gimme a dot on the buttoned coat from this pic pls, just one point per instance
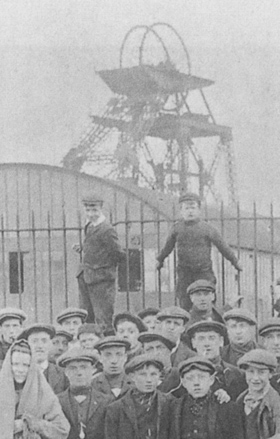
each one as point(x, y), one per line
point(223, 420)
point(96, 414)
point(121, 421)
point(101, 383)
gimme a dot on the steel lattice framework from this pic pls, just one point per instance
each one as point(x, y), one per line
point(156, 132)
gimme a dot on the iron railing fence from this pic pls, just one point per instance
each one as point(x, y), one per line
point(37, 264)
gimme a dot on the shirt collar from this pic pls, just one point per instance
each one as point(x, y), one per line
point(44, 365)
point(100, 220)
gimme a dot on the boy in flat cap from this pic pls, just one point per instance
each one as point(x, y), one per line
point(198, 414)
point(241, 327)
point(128, 327)
point(156, 343)
point(60, 343)
point(97, 273)
point(270, 333)
point(149, 317)
point(143, 412)
point(260, 404)
point(11, 320)
point(202, 295)
point(83, 406)
point(88, 335)
point(71, 319)
point(207, 339)
point(173, 322)
point(39, 337)
point(194, 239)
point(112, 381)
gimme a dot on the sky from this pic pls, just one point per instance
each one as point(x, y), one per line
point(50, 52)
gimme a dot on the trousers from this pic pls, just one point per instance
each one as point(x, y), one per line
point(186, 277)
point(98, 300)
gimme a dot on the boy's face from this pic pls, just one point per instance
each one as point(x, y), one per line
point(87, 340)
point(173, 327)
point(151, 322)
point(207, 344)
point(202, 300)
point(40, 345)
point(93, 213)
point(113, 360)
point(60, 345)
point(271, 342)
point(72, 325)
point(240, 332)
point(257, 379)
point(10, 329)
point(197, 382)
point(190, 210)
point(128, 331)
point(79, 373)
point(146, 379)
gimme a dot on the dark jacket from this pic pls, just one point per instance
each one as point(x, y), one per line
point(121, 421)
point(231, 379)
point(222, 420)
point(170, 381)
point(96, 414)
point(268, 413)
point(183, 352)
point(56, 378)
point(194, 240)
point(231, 355)
point(101, 384)
point(101, 254)
point(4, 347)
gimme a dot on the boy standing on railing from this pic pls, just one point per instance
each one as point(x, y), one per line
point(194, 239)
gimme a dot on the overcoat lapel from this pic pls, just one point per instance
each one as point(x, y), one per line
point(130, 412)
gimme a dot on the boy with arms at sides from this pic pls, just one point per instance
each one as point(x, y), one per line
point(194, 239)
point(260, 404)
point(143, 412)
point(198, 414)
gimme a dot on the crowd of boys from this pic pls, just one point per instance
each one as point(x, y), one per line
point(182, 372)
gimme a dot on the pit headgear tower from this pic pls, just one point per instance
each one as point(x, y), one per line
point(157, 144)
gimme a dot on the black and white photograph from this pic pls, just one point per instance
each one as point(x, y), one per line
point(139, 219)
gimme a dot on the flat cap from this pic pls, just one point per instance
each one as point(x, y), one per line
point(12, 313)
point(72, 312)
point(145, 337)
point(196, 362)
point(207, 325)
point(173, 312)
point(189, 196)
point(142, 360)
point(148, 312)
point(258, 358)
point(240, 314)
point(90, 328)
point(112, 341)
point(60, 331)
point(77, 354)
point(273, 324)
point(201, 285)
point(131, 318)
point(36, 327)
point(92, 199)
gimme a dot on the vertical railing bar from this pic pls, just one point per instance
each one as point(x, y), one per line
point(127, 225)
point(51, 194)
point(29, 197)
point(223, 259)
point(158, 250)
point(3, 261)
point(142, 255)
point(34, 266)
point(238, 245)
point(256, 263)
point(174, 256)
point(20, 262)
point(40, 199)
point(272, 265)
point(50, 268)
point(65, 258)
point(6, 199)
point(80, 233)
